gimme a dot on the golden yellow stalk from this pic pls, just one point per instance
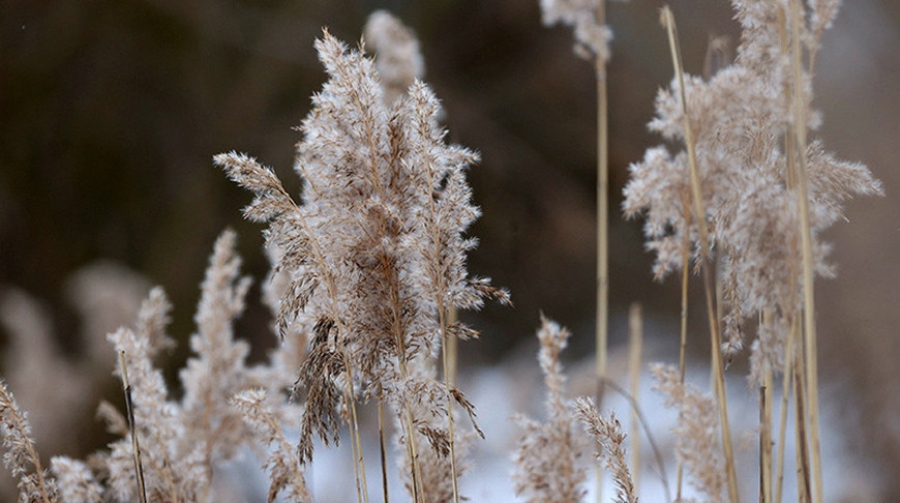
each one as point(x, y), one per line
point(399, 340)
point(809, 311)
point(452, 347)
point(635, 350)
point(765, 438)
point(602, 212)
point(602, 328)
point(448, 376)
point(804, 489)
point(764, 445)
point(794, 333)
point(682, 347)
point(668, 21)
point(359, 466)
point(448, 354)
point(786, 387)
point(765, 422)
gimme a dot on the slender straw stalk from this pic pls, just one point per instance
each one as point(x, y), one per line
point(804, 486)
point(765, 425)
point(682, 346)
point(359, 465)
point(447, 385)
point(786, 387)
point(668, 21)
point(383, 448)
point(794, 336)
point(602, 329)
point(449, 369)
point(809, 311)
point(635, 351)
point(452, 347)
point(602, 212)
point(765, 439)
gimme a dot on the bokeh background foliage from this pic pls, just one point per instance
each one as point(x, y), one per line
point(110, 112)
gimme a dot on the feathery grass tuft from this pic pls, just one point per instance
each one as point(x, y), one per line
point(547, 457)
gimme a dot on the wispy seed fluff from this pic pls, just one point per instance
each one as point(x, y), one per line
point(699, 446)
point(741, 119)
point(20, 455)
point(377, 249)
point(397, 58)
point(592, 37)
point(548, 459)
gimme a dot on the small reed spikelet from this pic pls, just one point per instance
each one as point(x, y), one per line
point(609, 440)
point(591, 34)
point(20, 456)
point(398, 60)
point(547, 461)
point(155, 416)
point(699, 442)
point(76, 481)
point(283, 463)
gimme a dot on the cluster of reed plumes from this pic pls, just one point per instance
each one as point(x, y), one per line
point(369, 270)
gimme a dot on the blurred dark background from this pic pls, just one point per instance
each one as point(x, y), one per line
point(111, 110)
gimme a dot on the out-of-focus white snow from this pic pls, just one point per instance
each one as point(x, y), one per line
point(500, 392)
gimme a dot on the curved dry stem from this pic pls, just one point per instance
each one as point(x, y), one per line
point(657, 454)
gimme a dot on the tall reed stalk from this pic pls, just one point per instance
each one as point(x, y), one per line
point(718, 369)
point(800, 104)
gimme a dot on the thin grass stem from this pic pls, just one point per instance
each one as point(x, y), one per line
point(400, 342)
point(383, 448)
point(635, 350)
point(602, 329)
point(765, 419)
point(602, 214)
point(668, 21)
point(809, 311)
point(448, 354)
point(786, 387)
point(802, 452)
point(765, 439)
point(452, 347)
point(682, 346)
point(448, 376)
point(359, 466)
